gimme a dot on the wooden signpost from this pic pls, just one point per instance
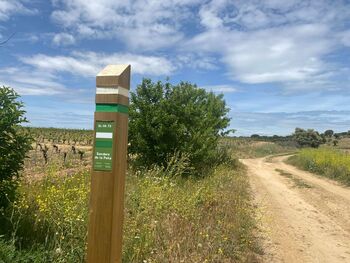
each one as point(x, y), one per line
point(109, 165)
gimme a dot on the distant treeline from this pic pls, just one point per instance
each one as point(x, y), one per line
point(301, 138)
point(274, 138)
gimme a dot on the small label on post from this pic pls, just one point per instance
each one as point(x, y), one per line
point(104, 140)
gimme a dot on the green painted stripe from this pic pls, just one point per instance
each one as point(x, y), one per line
point(112, 108)
point(104, 144)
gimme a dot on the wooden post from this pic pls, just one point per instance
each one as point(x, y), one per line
point(109, 165)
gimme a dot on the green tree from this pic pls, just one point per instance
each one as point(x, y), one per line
point(308, 138)
point(329, 133)
point(15, 142)
point(166, 119)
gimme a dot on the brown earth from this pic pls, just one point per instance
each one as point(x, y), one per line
point(303, 217)
point(35, 167)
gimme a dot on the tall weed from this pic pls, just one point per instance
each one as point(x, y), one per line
point(328, 162)
point(168, 217)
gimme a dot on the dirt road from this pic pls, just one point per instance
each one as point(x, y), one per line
point(304, 218)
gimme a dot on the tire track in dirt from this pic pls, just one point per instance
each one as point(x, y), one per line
point(300, 224)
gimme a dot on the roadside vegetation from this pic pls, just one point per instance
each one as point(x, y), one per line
point(167, 218)
point(326, 154)
point(254, 148)
point(189, 207)
point(325, 161)
point(187, 196)
point(15, 142)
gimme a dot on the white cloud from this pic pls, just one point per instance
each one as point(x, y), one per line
point(268, 41)
point(279, 55)
point(146, 24)
point(88, 64)
point(275, 41)
point(208, 14)
point(60, 64)
point(27, 81)
point(220, 88)
point(43, 74)
point(345, 38)
point(11, 7)
point(255, 14)
point(292, 53)
point(63, 39)
point(199, 62)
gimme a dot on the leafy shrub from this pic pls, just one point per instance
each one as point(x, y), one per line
point(15, 142)
point(308, 138)
point(9, 253)
point(165, 119)
point(329, 133)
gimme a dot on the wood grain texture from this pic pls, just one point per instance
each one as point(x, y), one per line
point(119, 182)
point(113, 90)
point(106, 211)
point(106, 208)
point(113, 99)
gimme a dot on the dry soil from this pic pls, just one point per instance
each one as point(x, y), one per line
point(304, 217)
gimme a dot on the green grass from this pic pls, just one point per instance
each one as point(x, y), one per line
point(10, 253)
point(327, 162)
point(167, 218)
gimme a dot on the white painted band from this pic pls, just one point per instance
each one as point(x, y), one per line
point(104, 135)
point(117, 90)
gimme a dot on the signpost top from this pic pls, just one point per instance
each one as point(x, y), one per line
point(114, 76)
point(113, 70)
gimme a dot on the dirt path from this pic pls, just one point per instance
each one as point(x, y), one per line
point(304, 218)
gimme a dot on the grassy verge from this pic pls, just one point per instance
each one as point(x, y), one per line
point(167, 218)
point(247, 148)
point(327, 162)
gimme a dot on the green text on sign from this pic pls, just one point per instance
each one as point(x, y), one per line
point(104, 140)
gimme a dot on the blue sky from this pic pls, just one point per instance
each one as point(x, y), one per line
point(280, 64)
